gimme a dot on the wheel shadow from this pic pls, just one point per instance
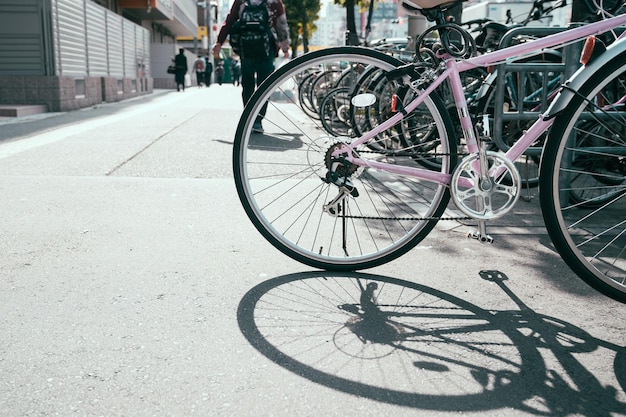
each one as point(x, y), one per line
point(403, 343)
point(275, 141)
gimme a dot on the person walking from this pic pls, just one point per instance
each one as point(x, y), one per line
point(254, 68)
point(219, 72)
point(208, 71)
point(236, 72)
point(180, 62)
point(198, 65)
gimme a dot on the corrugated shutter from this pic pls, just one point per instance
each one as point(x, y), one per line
point(141, 51)
point(130, 61)
point(72, 37)
point(96, 40)
point(115, 45)
point(146, 53)
point(21, 37)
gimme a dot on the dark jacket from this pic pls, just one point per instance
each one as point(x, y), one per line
point(278, 22)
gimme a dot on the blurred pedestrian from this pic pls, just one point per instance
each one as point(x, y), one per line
point(208, 71)
point(236, 71)
point(180, 61)
point(198, 65)
point(219, 72)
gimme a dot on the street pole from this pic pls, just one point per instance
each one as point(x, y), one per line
point(417, 25)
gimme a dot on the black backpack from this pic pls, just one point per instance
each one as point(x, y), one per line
point(251, 35)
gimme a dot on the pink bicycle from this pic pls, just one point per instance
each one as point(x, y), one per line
point(363, 199)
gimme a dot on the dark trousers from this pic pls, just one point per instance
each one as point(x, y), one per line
point(200, 77)
point(180, 79)
point(253, 72)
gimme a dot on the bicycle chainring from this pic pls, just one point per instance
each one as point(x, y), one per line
point(485, 198)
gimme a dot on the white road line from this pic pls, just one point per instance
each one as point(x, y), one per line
point(12, 148)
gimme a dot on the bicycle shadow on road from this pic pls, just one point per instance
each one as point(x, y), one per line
point(403, 343)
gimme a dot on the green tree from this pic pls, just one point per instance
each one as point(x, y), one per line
point(301, 16)
point(350, 16)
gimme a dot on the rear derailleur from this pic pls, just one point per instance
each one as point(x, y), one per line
point(339, 172)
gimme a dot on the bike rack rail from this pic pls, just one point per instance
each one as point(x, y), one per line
point(527, 108)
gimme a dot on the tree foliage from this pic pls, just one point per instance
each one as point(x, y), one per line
point(301, 16)
point(350, 16)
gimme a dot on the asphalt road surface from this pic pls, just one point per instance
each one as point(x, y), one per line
point(133, 284)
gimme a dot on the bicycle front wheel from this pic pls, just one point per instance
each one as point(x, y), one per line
point(583, 183)
point(345, 218)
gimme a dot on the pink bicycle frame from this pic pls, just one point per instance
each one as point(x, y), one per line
point(453, 69)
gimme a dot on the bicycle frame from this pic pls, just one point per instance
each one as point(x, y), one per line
point(453, 68)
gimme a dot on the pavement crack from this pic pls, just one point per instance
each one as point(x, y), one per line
point(142, 150)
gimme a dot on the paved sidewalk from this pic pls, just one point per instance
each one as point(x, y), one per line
point(133, 284)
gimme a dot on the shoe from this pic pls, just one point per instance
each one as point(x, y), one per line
point(257, 127)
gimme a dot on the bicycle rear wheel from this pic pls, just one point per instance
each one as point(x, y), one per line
point(583, 183)
point(285, 185)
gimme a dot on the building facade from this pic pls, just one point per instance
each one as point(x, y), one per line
point(71, 54)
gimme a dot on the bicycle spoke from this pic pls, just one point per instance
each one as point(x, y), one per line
point(317, 207)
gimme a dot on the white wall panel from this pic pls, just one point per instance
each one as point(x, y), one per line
point(115, 45)
point(96, 40)
point(72, 37)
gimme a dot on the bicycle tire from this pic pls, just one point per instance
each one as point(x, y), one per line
point(405, 138)
point(304, 94)
point(281, 181)
point(323, 83)
point(584, 215)
point(335, 112)
point(373, 81)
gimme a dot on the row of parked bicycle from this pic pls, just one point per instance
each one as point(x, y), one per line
point(504, 100)
point(359, 166)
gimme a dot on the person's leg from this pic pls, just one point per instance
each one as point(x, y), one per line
point(247, 79)
point(264, 69)
point(179, 80)
point(248, 85)
point(249, 69)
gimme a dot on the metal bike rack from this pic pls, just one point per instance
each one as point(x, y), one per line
point(553, 74)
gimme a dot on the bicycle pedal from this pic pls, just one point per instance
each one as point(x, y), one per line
point(475, 234)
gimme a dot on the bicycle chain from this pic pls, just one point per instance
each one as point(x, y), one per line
point(426, 155)
point(406, 218)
